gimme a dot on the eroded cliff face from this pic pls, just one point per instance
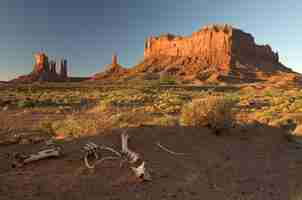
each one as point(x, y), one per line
point(44, 70)
point(219, 46)
point(41, 61)
point(212, 44)
point(219, 51)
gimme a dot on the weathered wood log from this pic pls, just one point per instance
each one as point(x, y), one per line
point(47, 153)
point(137, 165)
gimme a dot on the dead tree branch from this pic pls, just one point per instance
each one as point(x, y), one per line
point(169, 151)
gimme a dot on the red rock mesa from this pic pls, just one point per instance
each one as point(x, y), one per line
point(215, 52)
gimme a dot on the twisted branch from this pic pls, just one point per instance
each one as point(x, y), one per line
point(169, 151)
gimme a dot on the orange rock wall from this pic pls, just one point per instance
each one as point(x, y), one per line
point(40, 59)
point(218, 45)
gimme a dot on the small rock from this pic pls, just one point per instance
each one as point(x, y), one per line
point(5, 108)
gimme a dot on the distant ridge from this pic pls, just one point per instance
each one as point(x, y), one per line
point(215, 53)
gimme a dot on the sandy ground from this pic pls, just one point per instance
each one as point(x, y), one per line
point(248, 163)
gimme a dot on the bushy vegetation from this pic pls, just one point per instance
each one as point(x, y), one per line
point(165, 121)
point(216, 112)
point(136, 104)
point(79, 125)
point(27, 103)
point(167, 80)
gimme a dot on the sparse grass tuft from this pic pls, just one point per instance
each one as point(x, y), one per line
point(27, 103)
point(104, 105)
point(166, 121)
point(167, 80)
point(46, 126)
point(77, 126)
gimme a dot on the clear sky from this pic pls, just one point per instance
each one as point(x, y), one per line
point(87, 32)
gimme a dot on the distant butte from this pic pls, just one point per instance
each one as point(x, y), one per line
point(45, 70)
point(215, 53)
point(112, 71)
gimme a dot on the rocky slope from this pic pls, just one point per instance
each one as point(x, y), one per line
point(112, 71)
point(215, 53)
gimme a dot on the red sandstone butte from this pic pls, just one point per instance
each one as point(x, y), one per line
point(112, 71)
point(40, 60)
point(218, 45)
point(213, 46)
point(213, 52)
point(45, 70)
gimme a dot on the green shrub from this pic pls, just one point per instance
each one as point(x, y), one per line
point(216, 112)
point(104, 105)
point(77, 126)
point(27, 103)
point(166, 121)
point(167, 80)
point(128, 119)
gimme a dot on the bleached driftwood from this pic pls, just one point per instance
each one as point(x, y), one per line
point(133, 158)
point(126, 155)
point(169, 151)
point(106, 158)
point(111, 150)
point(47, 153)
point(130, 155)
point(91, 149)
point(86, 160)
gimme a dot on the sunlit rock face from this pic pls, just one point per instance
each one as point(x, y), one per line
point(112, 71)
point(45, 70)
point(212, 44)
point(218, 45)
point(214, 51)
point(41, 62)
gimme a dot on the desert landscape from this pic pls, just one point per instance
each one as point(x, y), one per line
point(212, 115)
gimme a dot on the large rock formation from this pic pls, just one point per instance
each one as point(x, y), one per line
point(112, 71)
point(213, 46)
point(63, 69)
point(45, 70)
point(41, 63)
point(214, 53)
point(218, 46)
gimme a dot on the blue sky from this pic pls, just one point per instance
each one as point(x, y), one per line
point(87, 32)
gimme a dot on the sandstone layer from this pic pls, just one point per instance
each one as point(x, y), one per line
point(45, 70)
point(214, 53)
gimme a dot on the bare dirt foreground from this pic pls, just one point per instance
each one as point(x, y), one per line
point(251, 163)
